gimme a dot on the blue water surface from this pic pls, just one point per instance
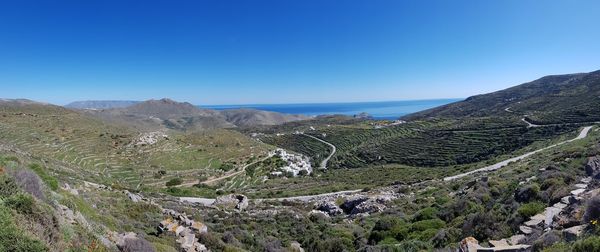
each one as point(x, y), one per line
point(378, 110)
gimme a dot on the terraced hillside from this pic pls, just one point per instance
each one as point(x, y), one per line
point(440, 142)
point(569, 98)
point(118, 155)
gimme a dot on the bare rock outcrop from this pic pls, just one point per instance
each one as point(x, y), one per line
point(572, 233)
point(592, 167)
point(185, 229)
point(329, 208)
point(351, 202)
point(232, 201)
point(368, 207)
point(471, 244)
point(133, 197)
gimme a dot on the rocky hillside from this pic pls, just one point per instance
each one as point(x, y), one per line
point(550, 99)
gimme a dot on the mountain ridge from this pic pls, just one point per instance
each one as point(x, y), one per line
point(169, 114)
point(549, 99)
point(100, 104)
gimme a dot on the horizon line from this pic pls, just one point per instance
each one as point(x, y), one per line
point(252, 104)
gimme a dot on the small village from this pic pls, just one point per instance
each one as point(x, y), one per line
point(296, 164)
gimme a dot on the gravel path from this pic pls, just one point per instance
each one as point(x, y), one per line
point(499, 165)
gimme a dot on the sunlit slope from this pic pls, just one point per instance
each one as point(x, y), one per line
point(113, 154)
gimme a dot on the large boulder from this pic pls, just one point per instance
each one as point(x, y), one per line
point(189, 243)
point(569, 217)
point(353, 201)
point(368, 207)
point(133, 197)
point(296, 247)
point(199, 227)
point(232, 201)
point(120, 239)
point(318, 214)
point(592, 167)
point(328, 207)
point(572, 233)
point(469, 244)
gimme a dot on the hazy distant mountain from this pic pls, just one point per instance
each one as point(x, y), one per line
point(167, 108)
point(166, 113)
point(252, 117)
point(550, 99)
point(100, 104)
point(20, 102)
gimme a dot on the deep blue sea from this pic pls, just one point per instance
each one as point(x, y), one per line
point(378, 110)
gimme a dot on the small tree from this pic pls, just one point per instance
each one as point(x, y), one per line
point(174, 182)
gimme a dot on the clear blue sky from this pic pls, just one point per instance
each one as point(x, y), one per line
point(235, 52)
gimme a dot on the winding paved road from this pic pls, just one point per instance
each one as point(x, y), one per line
point(530, 125)
point(333, 149)
point(499, 165)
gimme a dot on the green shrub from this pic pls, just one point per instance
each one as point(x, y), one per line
point(50, 181)
point(531, 209)
point(527, 193)
point(389, 227)
point(444, 237)
point(424, 235)
point(22, 203)
point(8, 186)
point(226, 166)
point(426, 214)
point(428, 224)
point(174, 182)
point(13, 239)
point(407, 246)
point(388, 240)
point(558, 247)
point(589, 244)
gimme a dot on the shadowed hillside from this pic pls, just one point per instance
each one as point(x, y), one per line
point(551, 99)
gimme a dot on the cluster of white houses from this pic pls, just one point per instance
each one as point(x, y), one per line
point(295, 163)
point(150, 138)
